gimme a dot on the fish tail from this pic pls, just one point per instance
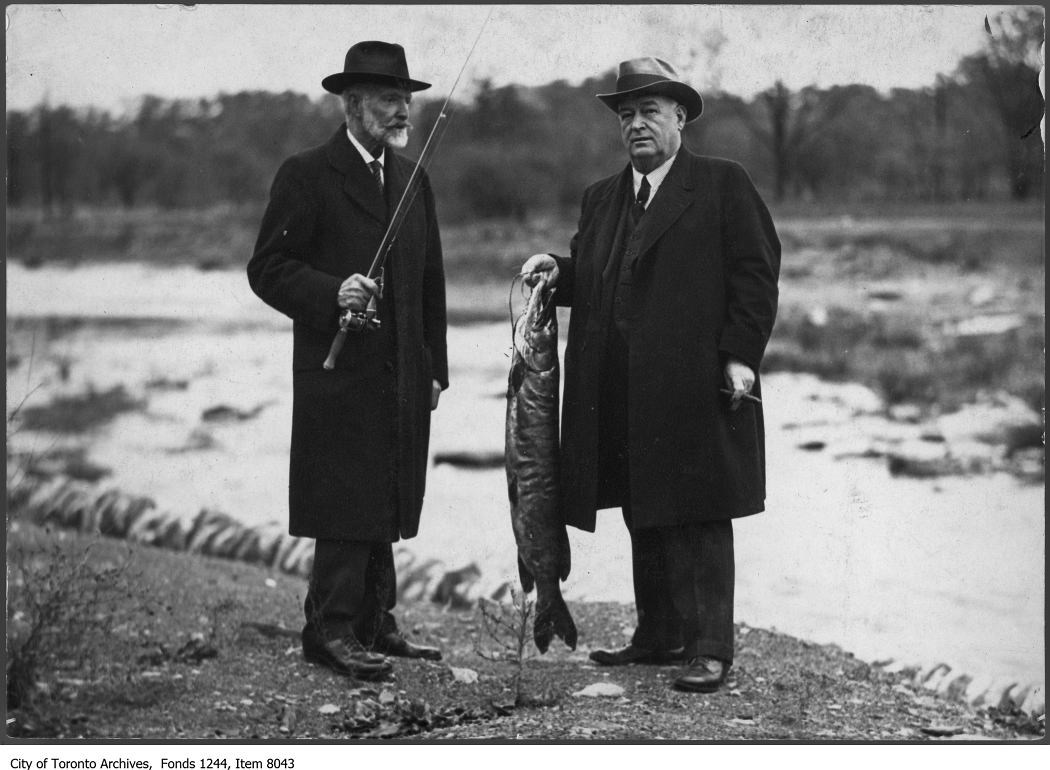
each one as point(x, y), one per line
point(553, 619)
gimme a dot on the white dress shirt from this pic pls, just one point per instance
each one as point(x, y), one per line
point(367, 156)
point(655, 177)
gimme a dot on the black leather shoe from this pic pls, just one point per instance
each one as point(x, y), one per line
point(703, 675)
point(631, 654)
point(345, 657)
point(397, 645)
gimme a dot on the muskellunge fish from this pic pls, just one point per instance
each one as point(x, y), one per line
point(532, 467)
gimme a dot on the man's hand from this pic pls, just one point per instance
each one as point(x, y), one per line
point(435, 394)
point(355, 292)
point(740, 378)
point(540, 265)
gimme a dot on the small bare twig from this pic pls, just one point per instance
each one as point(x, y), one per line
point(508, 626)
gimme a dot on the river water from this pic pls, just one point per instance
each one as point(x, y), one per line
point(922, 571)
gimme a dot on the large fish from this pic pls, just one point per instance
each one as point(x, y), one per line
point(532, 467)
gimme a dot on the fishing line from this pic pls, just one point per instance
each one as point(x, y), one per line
point(426, 155)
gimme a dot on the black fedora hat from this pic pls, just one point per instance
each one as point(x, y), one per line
point(373, 61)
point(649, 75)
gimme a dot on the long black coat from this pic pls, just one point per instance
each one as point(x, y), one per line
point(360, 432)
point(706, 261)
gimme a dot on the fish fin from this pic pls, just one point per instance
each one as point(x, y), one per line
point(554, 619)
point(528, 582)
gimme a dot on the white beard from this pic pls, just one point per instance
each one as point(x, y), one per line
point(396, 138)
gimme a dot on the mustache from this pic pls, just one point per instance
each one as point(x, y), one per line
point(397, 126)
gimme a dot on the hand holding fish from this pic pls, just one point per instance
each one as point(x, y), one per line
point(537, 265)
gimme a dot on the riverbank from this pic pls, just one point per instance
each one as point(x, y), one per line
point(196, 648)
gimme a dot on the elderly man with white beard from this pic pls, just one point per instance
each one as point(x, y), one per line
point(360, 430)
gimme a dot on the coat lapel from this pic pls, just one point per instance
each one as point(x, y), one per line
point(672, 199)
point(396, 178)
point(358, 182)
point(608, 207)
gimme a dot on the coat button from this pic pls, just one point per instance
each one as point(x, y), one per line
point(389, 365)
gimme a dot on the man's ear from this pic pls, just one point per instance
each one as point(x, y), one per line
point(351, 103)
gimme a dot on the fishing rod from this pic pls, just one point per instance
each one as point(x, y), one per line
point(357, 320)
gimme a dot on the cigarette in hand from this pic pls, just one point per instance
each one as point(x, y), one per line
point(746, 396)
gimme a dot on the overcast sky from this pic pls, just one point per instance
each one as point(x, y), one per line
point(108, 55)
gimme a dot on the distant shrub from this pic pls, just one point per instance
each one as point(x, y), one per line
point(908, 360)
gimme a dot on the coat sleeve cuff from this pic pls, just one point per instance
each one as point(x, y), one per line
point(743, 345)
point(563, 291)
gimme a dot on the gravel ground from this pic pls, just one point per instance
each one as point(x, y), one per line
point(182, 647)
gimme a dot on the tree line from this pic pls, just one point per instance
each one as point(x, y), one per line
point(514, 151)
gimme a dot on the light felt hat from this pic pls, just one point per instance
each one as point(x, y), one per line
point(649, 75)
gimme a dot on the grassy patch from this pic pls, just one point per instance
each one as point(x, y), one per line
point(906, 359)
point(970, 251)
point(222, 235)
point(81, 412)
point(64, 604)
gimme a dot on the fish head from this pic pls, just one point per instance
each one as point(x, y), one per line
point(536, 334)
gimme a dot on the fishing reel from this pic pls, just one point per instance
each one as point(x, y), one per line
point(357, 320)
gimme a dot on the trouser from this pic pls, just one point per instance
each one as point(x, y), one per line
point(353, 588)
point(683, 587)
point(684, 575)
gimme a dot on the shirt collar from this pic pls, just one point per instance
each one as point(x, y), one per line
point(365, 154)
point(655, 177)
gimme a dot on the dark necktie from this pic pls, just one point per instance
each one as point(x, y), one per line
point(639, 203)
point(377, 172)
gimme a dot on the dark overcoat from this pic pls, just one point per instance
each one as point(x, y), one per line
point(705, 263)
point(360, 432)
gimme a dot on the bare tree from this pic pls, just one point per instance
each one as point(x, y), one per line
point(1007, 71)
point(792, 121)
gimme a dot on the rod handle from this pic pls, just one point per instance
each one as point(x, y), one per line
point(337, 345)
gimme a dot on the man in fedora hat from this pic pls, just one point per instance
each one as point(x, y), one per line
point(672, 282)
point(360, 431)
